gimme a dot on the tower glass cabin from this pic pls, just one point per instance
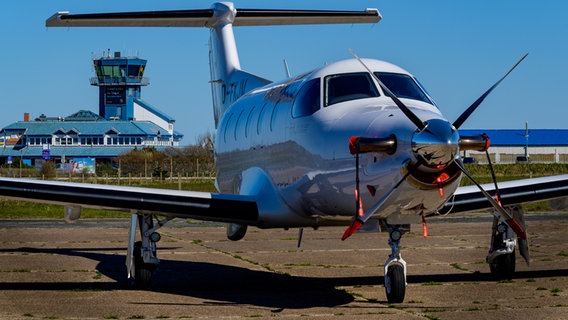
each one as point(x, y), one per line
point(119, 80)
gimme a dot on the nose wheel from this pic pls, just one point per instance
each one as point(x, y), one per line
point(395, 268)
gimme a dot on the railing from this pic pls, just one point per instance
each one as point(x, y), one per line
point(113, 81)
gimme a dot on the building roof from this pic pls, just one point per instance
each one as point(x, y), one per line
point(517, 137)
point(154, 110)
point(95, 128)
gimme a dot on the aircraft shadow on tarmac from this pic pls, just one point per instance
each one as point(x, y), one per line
point(225, 284)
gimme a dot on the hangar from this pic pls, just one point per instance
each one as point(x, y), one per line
point(523, 145)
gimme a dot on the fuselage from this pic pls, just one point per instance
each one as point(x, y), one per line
point(296, 132)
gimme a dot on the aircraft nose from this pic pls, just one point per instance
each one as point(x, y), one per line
point(437, 145)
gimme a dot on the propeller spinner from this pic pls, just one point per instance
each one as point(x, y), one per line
point(437, 145)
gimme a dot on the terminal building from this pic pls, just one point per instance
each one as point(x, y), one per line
point(124, 122)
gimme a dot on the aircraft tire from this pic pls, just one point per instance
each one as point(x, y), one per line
point(503, 267)
point(395, 284)
point(142, 271)
point(236, 232)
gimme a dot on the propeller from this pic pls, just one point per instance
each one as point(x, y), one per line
point(436, 145)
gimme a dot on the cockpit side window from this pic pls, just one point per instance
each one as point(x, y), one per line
point(349, 86)
point(308, 99)
point(403, 86)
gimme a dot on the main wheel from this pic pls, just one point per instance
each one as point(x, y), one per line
point(503, 266)
point(142, 271)
point(236, 232)
point(395, 284)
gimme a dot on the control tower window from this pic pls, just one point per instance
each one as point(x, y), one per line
point(99, 72)
point(308, 100)
point(403, 86)
point(349, 86)
point(113, 71)
point(135, 71)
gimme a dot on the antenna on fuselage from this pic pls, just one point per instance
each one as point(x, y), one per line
point(286, 69)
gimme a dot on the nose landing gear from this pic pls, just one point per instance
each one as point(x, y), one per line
point(395, 267)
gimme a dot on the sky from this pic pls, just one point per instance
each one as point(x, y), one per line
point(457, 49)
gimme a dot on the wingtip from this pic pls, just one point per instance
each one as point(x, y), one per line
point(55, 19)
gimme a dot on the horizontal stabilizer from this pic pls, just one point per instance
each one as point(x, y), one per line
point(205, 18)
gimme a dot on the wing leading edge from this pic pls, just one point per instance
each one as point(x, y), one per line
point(511, 192)
point(173, 203)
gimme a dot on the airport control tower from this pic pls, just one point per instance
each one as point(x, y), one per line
point(119, 80)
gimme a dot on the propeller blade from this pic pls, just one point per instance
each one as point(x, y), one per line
point(407, 112)
point(509, 219)
point(523, 244)
point(361, 219)
point(463, 117)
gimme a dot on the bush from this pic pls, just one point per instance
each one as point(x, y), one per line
point(47, 170)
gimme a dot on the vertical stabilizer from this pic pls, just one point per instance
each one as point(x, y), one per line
point(228, 82)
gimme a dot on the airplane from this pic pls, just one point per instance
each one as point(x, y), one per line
point(356, 143)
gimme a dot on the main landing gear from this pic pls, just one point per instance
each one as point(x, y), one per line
point(501, 257)
point(141, 260)
point(395, 267)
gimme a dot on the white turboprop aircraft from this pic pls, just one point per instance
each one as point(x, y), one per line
point(353, 141)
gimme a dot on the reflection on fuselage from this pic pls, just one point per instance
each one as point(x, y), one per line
point(297, 133)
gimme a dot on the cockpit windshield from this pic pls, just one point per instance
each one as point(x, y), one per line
point(349, 86)
point(403, 86)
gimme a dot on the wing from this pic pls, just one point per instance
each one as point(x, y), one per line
point(512, 192)
point(183, 204)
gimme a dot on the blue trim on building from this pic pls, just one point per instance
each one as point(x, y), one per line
point(517, 137)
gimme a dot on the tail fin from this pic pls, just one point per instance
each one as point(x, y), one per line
point(228, 81)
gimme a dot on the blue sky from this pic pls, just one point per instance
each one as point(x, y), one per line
point(457, 49)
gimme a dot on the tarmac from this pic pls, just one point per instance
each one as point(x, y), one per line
point(53, 270)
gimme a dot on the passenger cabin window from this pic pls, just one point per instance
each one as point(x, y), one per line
point(308, 100)
point(403, 86)
point(349, 86)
